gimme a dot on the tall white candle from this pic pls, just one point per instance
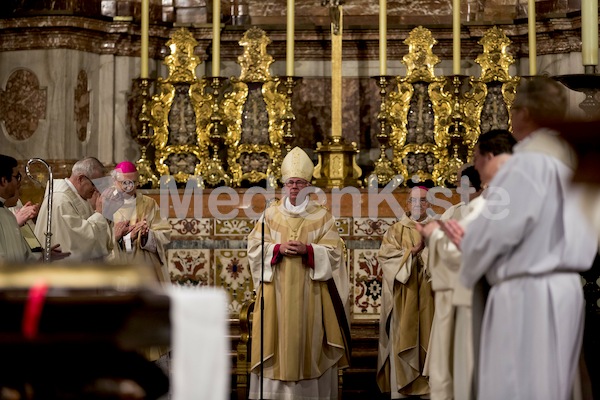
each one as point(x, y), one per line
point(532, 36)
point(456, 37)
point(289, 51)
point(589, 32)
point(144, 49)
point(216, 54)
point(382, 37)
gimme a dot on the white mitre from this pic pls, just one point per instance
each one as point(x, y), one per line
point(297, 164)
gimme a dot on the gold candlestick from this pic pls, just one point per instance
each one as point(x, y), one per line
point(288, 116)
point(213, 172)
point(383, 166)
point(144, 138)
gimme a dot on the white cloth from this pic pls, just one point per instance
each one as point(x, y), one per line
point(86, 234)
point(533, 323)
point(200, 355)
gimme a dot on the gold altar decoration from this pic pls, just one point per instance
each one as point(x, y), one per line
point(180, 113)
point(419, 110)
point(336, 166)
point(433, 122)
point(501, 87)
point(254, 113)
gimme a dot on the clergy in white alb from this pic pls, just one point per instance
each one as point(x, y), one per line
point(76, 226)
point(530, 246)
point(306, 292)
point(407, 304)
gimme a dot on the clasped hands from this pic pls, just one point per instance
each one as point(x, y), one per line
point(140, 228)
point(293, 248)
point(451, 228)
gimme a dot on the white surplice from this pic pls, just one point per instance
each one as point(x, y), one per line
point(86, 234)
point(533, 323)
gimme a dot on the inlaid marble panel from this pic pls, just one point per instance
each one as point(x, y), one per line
point(189, 267)
point(343, 226)
point(367, 284)
point(23, 104)
point(233, 227)
point(371, 227)
point(232, 273)
point(190, 227)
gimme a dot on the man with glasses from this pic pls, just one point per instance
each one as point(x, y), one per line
point(406, 304)
point(140, 234)
point(80, 229)
point(13, 246)
point(306, 290)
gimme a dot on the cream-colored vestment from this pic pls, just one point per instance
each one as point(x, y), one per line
point(86, 234)
point(304, 335)
point(153, 251)
point(406, 314)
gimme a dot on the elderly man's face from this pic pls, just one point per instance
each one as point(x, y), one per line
point(86, 187)
point(417, 204)
point(293, 186)
point(127, 183)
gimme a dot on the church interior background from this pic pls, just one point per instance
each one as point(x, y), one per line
point(73, 83)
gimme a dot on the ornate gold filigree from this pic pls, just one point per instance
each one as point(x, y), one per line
point(180, 152)
point(495, 62)
point(419, 111)
point(257, 156)
point(255, 61)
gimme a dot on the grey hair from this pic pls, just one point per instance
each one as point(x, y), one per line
point(543, 97)
point(88, 166)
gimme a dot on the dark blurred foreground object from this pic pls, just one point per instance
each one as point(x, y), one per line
point(583, 136)
point(83, 341)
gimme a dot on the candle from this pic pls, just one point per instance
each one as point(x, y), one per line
point(532, 47)
point(589, 32)
point(216, 53)
point(289, 53)
point(382, 37)
point(456, 37)
point(144, 50)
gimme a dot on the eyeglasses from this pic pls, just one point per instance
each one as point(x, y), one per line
point(89, 179)
point(299, 184)
point(17, 176)
point(414, 200)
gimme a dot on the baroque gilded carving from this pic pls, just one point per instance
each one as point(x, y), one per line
point(434, 122)
point(495, 62)
point(180, 113)
point(253, 112)
point(418, 109)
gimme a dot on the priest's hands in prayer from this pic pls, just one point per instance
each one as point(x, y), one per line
point(140, 228)
point(293, 248)
point(107, 202)
point(122, 228)
point(453, 230)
